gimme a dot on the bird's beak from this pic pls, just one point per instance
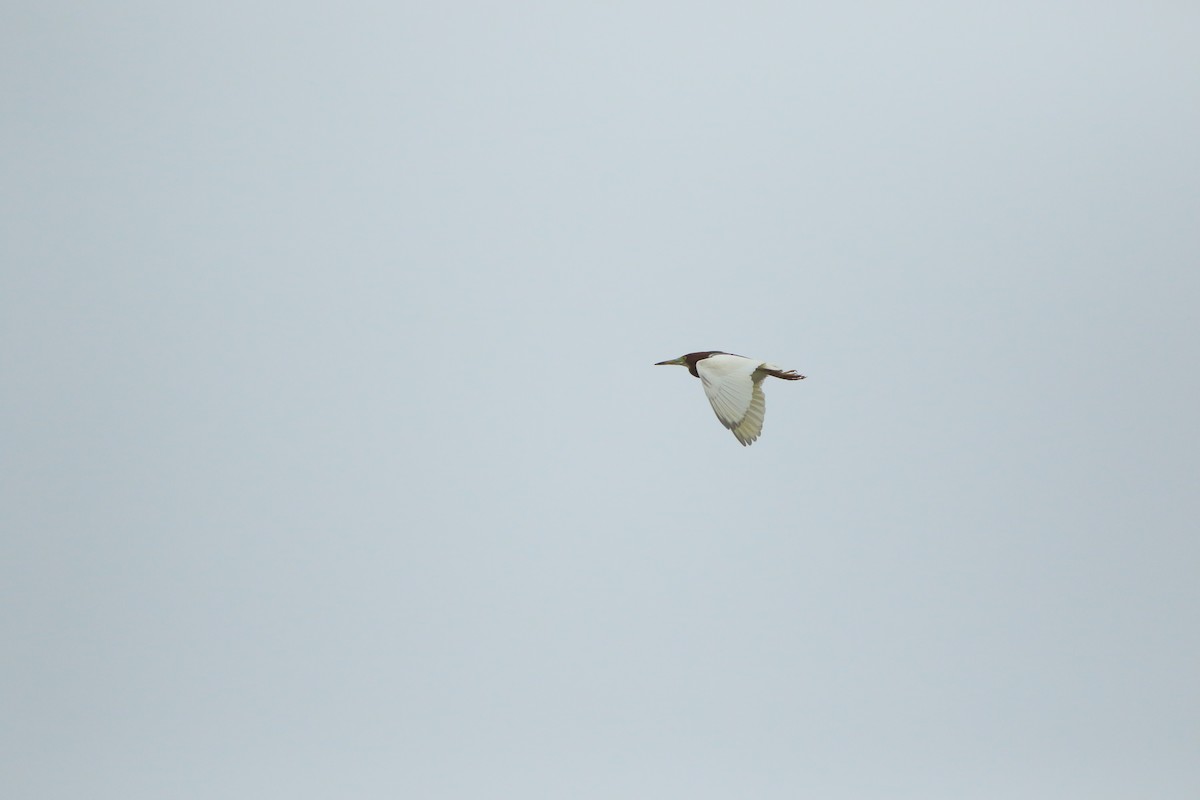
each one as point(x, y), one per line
point(678, 361)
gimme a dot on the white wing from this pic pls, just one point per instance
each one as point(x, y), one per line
point(735, 393)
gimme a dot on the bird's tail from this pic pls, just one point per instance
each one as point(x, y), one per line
point(787, 375)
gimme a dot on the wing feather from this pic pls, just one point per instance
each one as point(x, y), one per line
point(733, 390)
point(751, 425)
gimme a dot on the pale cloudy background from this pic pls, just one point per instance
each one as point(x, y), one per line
point(335, 466)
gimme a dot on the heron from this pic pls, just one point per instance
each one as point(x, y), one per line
point(733, 385)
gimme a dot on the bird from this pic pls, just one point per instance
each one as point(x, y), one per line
point(733, 385)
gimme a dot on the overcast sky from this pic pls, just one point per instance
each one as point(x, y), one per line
point(335, 466)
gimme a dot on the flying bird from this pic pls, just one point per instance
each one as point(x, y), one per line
point(733, 385)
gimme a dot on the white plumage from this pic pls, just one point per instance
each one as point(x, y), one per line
point(733, 385)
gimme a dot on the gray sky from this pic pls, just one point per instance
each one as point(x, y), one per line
point(334, 462)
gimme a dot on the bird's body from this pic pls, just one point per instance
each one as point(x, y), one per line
point(733, 385)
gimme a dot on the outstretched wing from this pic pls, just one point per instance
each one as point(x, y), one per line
point(735, 395)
